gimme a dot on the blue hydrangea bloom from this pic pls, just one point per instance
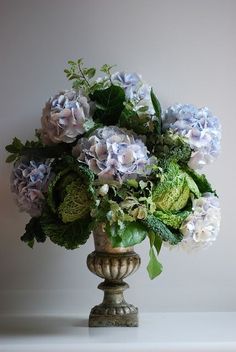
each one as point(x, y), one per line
point(200, 128)
point(29, 181)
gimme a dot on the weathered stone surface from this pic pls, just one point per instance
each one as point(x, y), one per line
point(114, 310)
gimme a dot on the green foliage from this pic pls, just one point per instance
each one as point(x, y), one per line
point(126, 234)
point(192, 186)
point(172, 192)
point(35, 150)
point(107, 69)
point(33, 231)
point(172, 148)
point(173, 220)
point(109, 104)
point(154, 267)
point(79, 74)
point(70, 235)
point(157, 107)
point(140, 122)
point(54, 195)
point(83, 77)
point(152, 223)
point(201, 181)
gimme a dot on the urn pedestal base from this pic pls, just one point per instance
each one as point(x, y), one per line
point(114, 310)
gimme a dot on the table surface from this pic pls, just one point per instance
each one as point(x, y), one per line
point(164, 332)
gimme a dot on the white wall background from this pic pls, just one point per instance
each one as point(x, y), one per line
point(187, 51)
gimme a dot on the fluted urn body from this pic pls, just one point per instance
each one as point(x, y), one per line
point(113, 265)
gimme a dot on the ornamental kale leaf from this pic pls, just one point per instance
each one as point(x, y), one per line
point(70, 235)
point(172, 193)
point(152, 223)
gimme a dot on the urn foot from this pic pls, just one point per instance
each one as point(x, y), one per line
point(114, 310)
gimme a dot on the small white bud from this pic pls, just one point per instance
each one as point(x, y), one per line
point(103, 190)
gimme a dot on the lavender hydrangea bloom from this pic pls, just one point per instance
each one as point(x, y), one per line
point(202, 226)
point(29, 180)
point(136, 91)
point(200, 128)
point(65, 116)
point(129, 81)
point(143, 99)
point(114, 154)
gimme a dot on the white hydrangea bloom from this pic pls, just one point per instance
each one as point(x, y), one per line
point(202, 226)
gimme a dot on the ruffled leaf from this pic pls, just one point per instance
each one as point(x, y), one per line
point(70, 235)
point(152, 223)
point(33, 231)
point(173, 220)
point(172, 193)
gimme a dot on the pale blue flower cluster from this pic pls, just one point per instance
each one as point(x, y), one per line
point(29, 181)
point(202, 226)
point(135, 89)
point(130, 82)
point(65, 116)
point(199, 127)
point(114, 153)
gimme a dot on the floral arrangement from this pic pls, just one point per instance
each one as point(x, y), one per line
point(106, 153)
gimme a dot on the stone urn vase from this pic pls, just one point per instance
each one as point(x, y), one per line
point(113, 265)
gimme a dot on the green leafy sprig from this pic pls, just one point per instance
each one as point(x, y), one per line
point(35, 150)
point(83, 77)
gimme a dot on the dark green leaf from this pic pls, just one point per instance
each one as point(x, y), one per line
point(80, 61)
point(69, 235)
point(158, 243)
point(31, 244)
point(157, 108)
point(111, 102)
point(15, 147)
point(155, 241)
point(140, 124)
point(156, 104)
point(200, 179)
point(33, 231)
point(154, 267)
point(11, 158)
point(172, 148)
point(67, 170)
point(130, 234)
point(11, 148)
point(154, 224)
